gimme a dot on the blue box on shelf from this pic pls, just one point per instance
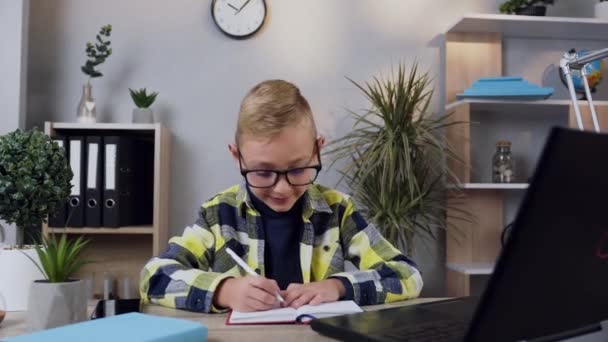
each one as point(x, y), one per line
point(505, 88)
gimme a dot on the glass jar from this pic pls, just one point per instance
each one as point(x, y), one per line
point(2, 308)
point(503, 168)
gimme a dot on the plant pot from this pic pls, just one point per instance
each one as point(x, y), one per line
point(538, 11)
point(87, 111)
point(143, 115)
point(17, 272)
point(601, 10)
point(56, 304)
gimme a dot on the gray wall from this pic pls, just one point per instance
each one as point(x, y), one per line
point(173, 47)
point(14, 16)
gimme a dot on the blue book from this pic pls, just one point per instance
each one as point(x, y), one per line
point(126, 327)
point(514, 88)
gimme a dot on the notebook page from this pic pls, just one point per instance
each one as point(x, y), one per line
point(275, 315)
point(330, 309)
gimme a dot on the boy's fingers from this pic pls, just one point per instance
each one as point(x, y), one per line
point(256, 305)
point(265, 284)
point(303, 299)
point(292, 295)
point(316, 300)
point(293, 286)
point(261, 296)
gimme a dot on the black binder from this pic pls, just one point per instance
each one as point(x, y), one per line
point(58, 218)
point(77, 163)
point(128, 181)
point(94, 167)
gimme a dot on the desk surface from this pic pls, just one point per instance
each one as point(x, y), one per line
point(14, 324)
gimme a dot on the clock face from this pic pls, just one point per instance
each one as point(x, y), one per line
point(239, 18)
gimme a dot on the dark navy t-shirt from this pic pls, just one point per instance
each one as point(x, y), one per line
point(282, 235)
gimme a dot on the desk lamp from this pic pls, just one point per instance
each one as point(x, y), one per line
point(570, 61)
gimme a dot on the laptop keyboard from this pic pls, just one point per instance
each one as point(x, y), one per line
point(432, 331)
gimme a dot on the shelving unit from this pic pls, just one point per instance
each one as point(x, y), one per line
point(474, 49)
point(123, 251)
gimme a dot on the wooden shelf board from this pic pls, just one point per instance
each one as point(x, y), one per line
point(471, 268)
point(492, 186)
point(533, 27)
point(107, 126)
point(122, 230)
point(547, 102)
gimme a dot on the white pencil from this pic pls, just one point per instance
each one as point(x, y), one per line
point(248, 269)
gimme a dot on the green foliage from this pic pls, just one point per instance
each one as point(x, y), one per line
point(395, 158)
point(60, 257)
point(97, 53)
point(512, 6)
point(34, 177)
point(141, 99)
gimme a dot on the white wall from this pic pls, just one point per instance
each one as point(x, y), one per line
point(174, 48)
point(14, 16)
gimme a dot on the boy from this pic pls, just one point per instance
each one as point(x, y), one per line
point(295, 234)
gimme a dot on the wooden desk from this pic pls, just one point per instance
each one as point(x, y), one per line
point(14, 324)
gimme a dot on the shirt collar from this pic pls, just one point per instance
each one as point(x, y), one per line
point(314, 202)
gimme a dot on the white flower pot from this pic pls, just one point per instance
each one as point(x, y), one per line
point(55, 304)
point(143, 115)
point(17, 272)
point(601, 10)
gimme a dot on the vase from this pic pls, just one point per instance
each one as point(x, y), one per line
point(143, 115)
point(87, 112)
point(55, 304)
point(17, 272)
point(601, 10)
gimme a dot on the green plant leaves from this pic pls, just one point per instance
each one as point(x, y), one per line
point(60, 258)
point(141, 98)
point(97, 53)
point(34, 179)
point(396, 157)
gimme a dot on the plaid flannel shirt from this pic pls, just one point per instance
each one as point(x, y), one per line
point(188, 273)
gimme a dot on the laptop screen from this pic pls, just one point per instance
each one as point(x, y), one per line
point(553, 274)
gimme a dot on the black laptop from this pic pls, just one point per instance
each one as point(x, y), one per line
point(551, 279)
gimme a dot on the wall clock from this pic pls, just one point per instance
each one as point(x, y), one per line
point(239, 18)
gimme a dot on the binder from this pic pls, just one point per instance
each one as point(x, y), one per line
point(58, 218)
point(76, 212)
point(128, 181)
point(94, 167)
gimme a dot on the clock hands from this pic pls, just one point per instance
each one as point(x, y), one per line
point(245, 4)
point(233, 7)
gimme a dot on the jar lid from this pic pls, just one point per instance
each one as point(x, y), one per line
point(503, 143)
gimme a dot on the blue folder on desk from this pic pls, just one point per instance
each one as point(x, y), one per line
point(126, 327)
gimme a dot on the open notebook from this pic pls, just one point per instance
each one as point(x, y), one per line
point(291, 315)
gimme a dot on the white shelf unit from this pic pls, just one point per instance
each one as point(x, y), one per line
point(474, 49)
point(532, 27)
point(124, 250)
point(472, 268)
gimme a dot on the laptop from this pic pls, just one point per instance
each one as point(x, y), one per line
point(551, 278)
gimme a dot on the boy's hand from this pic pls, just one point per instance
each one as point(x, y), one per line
point(249, 293)
point(328, 290)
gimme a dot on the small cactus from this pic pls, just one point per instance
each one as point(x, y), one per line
point(141, 98)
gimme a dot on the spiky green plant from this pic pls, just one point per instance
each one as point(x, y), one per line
point(97, 53)
point(141, 98)
point(60, 257)
point(513, 6)
point(395, 157)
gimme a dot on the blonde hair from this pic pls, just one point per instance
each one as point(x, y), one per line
point(269, 107)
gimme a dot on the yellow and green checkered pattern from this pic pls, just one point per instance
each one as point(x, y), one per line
point(187, 274)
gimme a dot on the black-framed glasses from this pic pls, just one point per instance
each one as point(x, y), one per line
point(297, 176)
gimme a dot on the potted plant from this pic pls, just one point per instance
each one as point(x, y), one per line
point(601, 10)
point(143, 101)
point(96, 54)
point(525, 7)
point(59, 299)
point(395, 158)
point(34, 181)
